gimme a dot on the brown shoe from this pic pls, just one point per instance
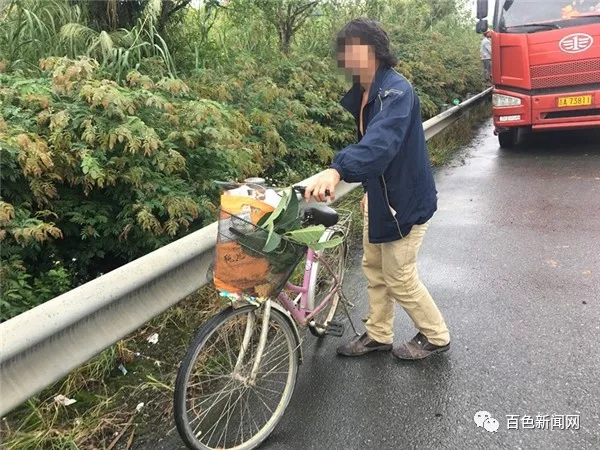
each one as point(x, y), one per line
point(362, 345)
point(419, 348)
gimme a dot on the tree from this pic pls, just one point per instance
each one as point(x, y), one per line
point(112, 14)
point(441, 9)
point(118, 14)
point(287, 16)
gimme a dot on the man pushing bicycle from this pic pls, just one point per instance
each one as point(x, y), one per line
point(392, 162)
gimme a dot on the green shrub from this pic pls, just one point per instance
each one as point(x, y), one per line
point(95, 174)
point(293, 108)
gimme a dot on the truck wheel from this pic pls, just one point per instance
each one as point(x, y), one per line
point(509, 138)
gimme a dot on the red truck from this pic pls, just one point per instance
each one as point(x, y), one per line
point(545, 65)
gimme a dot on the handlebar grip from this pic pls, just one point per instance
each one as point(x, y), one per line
point(302, 191)
point(226, 184)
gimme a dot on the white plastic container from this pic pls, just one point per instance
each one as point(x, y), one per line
point(272, 198)
point(242, 191)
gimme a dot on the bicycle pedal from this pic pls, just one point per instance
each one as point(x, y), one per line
point(335, 329)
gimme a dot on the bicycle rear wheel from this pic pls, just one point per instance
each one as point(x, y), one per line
point(224, 397)
point(322, 284)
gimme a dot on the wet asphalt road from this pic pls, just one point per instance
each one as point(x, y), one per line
point(513, 261)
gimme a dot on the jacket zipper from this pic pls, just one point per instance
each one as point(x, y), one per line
point(387, 199)
point(395, 91)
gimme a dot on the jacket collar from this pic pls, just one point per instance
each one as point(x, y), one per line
point(353, 97)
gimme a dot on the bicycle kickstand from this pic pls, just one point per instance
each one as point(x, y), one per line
point(346, 302)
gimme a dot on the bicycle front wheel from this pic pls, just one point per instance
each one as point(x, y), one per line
point(236, 379)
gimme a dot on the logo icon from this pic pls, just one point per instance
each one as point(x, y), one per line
point(576, 43)
point(481, 417)
point(491, 425)
point(484, 419)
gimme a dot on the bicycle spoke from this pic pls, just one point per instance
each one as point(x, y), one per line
point(215, 361)
point(251, 417)
point(225, 411)
point(228, 351)
point(268, 352)
point(260, 397)
point(265, 418)
point(241, 427)
point(215, 425)
point(219, 394)
point(238, 382)
point(275, 357)
point(200, 418)
point(204, 414)
point(224, 432)
point(281, 360)
point(283, 344)
point(219, 377)
point(263, 380)
point(262, 388)
point(231, 412)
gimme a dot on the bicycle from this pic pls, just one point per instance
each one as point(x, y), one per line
point(239, 373)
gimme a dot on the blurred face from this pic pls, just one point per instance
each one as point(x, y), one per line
point(357, 59)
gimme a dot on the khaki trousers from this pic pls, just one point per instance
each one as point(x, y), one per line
point(391, 271)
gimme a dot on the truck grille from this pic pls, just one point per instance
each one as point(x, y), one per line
point(566, 74)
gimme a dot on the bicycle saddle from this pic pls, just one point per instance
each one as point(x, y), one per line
point(322, 215)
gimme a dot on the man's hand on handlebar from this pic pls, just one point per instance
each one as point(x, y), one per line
point(323, 185)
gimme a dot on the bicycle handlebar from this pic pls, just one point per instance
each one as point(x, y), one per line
point(233, 185)
point(227, 184)
point(302, 191)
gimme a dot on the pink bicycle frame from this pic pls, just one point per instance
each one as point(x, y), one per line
point(300, 312)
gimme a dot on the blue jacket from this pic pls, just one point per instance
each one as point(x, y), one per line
point(391, 159)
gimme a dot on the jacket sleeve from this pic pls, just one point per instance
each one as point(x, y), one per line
point(383, 140)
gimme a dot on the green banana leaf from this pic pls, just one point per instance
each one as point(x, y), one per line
point(273, 240)
point(290, 215)
point(285, 221)
point(327, 244)
point(307, 236)
point(281, 207)
point(263, 219)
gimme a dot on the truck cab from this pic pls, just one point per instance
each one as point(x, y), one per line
point(545, 65)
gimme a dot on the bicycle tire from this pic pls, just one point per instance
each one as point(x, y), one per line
point(203, 335)
point(315, 298)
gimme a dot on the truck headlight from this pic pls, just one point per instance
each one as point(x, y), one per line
point(505, 100)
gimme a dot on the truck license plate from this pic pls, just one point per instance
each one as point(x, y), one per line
point(583, 100)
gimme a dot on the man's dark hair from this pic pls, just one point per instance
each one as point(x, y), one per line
point(368, 32)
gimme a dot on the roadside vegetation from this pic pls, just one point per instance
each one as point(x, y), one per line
point(115, 117)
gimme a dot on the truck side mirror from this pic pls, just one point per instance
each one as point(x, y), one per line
point(482, 9)
point(482, 26)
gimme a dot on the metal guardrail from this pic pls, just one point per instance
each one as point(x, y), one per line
point(440, 122)
point(45, 343)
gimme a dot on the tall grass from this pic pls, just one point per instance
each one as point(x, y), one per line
point(36, 29)
point(31, 31)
